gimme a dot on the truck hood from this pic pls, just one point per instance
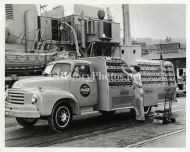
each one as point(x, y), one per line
point(44, 82)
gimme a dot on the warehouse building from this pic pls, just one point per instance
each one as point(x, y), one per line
point(171, 51)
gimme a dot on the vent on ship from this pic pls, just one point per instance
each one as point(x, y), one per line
point(9, 11)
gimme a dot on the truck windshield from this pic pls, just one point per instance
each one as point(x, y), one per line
point(61, 69)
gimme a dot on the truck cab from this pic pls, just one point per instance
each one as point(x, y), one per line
point(65, 87)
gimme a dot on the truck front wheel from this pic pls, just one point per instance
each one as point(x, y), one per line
point(60, 118)
point(26, 122)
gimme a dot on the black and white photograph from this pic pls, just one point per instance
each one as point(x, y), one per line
point(94, 75)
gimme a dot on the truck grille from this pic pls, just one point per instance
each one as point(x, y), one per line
point(16, 96)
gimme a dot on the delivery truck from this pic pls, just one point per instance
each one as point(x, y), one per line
point(69, 86)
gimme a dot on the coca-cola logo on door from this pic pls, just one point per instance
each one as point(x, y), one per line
point(85, 90)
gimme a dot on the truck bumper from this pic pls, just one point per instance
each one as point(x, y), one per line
point(23, 111)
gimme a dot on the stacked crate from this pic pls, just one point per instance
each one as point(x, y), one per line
point(116, 89)
point(151, 73)
point(157, 73)
point(116, 77)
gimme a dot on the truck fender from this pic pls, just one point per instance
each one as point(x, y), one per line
point(52, 97)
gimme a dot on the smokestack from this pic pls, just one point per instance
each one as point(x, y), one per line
point(25, 30)
point(126, 25)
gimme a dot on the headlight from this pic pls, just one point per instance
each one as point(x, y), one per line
point(34, 98)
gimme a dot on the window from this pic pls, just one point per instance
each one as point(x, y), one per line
point(81, 71)
point(90, 27)
point(9, 11)
point(122, 52)
point(134, 51)
point(50, 47)
point(55, 29)
point(61, 69)
point(107, 29)
point(180, 72)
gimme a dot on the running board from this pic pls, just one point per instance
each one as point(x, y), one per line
point(89, 110)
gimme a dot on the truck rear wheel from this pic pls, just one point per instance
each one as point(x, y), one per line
point(60, 118)
point(147, 110)
point(133, 112)
point(27, 122)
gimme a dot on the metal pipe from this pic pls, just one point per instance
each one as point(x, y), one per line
point(35, 40)
point(25, 30)
point(83, 34)
point(126, 25)
point(75, 38)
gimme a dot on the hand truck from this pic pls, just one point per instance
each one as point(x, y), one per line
point(164, 116)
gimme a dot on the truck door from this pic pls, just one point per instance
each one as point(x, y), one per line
point(83, 86)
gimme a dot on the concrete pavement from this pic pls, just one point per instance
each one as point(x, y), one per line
point(172, 141)
point(120, 130)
